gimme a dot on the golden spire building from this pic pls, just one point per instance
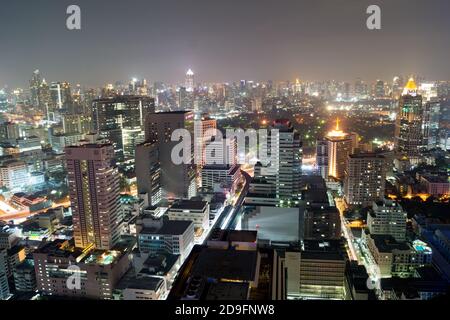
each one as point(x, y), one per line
point(340, 145)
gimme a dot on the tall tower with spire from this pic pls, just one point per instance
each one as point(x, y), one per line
point(189, 83)
point(408, 127)
point(340, 145)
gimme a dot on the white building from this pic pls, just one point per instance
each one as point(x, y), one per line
point(14, 175)
point(387, 217)
point(189, 210)
point(163, 235)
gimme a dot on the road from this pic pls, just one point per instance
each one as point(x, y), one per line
point(358, 249)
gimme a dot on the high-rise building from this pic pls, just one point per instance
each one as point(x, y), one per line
point(340, 145)
point(379, 89)
point(408, 127)
point(322, 158)
point(431, 124)
point(121, 119)
point(204, 131)
point(288, 161)
point(4, 285)
point(177, 180)
point(387, 217)
point(60, 96)
point(35, 83)
point(94, 195)
point(189, 83)
point(365, 178)
point(148, 172)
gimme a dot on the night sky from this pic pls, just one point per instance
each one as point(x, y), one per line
point(222, 40)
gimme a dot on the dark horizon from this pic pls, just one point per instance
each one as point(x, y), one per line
point(223, 41)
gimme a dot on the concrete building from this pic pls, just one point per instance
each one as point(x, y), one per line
point(64, 270)
point(397, 259)
point(190, 210)
point(166, 236)
point(14, 175)
point(148, 172)
point(322, 223)
point(94, 195)
point(221, 178)
point(387, 217)
point(121, 119)
point(177, 180)
point(316, 271)
point(365, 179)
point(436, 185)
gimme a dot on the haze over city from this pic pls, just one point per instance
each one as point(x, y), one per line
point(223, 41)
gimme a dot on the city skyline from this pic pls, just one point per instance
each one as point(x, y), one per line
point(160, 40)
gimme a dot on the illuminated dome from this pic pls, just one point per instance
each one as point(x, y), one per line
point(189, 73)
point(337, 132)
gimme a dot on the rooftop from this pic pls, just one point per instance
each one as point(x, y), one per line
point(189, 205)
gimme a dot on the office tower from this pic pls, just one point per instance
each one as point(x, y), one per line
point(94, 195)
point(77, 123)
point(379, 89)
point(361, 90)
point(4, 285)
point(204, 128)
point(189, 82)
point(397, 87)
point(35, 84)
point(408, 127)
point(44, 96)
point(431, 124)
point(177, 180)
point(148, 172)
point(322, 158)
point(387, 217)
point(121, 119)
point(138, 87)
point(322, 223)
point(289, 159)
point(340, 145)
point(60, 96)
point(365, 178)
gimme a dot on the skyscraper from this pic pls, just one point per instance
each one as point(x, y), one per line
point(189, 82)
point(177, 180)
point(340, 145)
point(94, 195)
point(204, 130)
point(120, 120)
point(408, 127)
point(148, 172)
point(322, 158)
point(289, 157)
point(35, 83)
point(365, 179)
